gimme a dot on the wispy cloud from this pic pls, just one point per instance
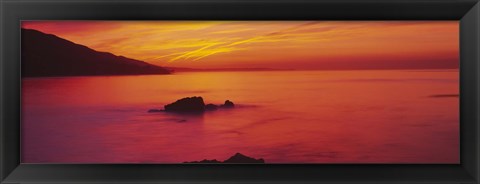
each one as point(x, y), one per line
point(181, 43)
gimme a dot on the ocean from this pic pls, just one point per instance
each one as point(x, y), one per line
point(357, 116)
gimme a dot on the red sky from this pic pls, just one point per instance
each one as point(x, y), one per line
point(269, 44)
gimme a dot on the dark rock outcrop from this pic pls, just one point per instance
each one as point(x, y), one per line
point(189, 104)
point(205, 161)
point(192, 105)
point(228, 104)
point(211, 107)
point(237, 158)
point(46, 55)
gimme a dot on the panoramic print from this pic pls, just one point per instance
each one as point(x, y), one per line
point(250, 92)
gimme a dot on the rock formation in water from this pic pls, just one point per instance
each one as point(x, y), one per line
point(205, 161)
point(189, 104)
point(211, 107)
point(228, 104)
point(237, 158)
point(192, 105)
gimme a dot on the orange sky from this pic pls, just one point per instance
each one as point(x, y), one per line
point(269, 44)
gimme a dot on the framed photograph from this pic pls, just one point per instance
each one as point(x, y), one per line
point(311, 91)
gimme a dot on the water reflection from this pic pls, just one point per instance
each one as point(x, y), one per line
point(281, 116)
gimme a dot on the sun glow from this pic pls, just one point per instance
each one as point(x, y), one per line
point(285, 44)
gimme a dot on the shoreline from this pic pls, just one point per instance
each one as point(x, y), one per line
point(246, 71)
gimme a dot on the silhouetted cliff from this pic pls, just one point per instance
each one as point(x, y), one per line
point(48, 55)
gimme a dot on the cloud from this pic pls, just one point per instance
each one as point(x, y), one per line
point(183, 42)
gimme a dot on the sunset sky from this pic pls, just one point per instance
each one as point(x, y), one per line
point(269, 44)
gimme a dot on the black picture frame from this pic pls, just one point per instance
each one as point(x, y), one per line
point(13, 11)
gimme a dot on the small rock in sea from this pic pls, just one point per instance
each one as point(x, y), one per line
point(211, 107)
point(155, 110)
point(189, 104)
point(240, 158)
point(228, 104)
point(192, 105)
point(204, 161)
point(237, 158)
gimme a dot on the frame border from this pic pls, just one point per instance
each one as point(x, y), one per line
point(13, 11)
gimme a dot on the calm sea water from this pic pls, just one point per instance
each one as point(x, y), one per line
point(389, 116)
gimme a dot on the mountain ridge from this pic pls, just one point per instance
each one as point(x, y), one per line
point(47, 55)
